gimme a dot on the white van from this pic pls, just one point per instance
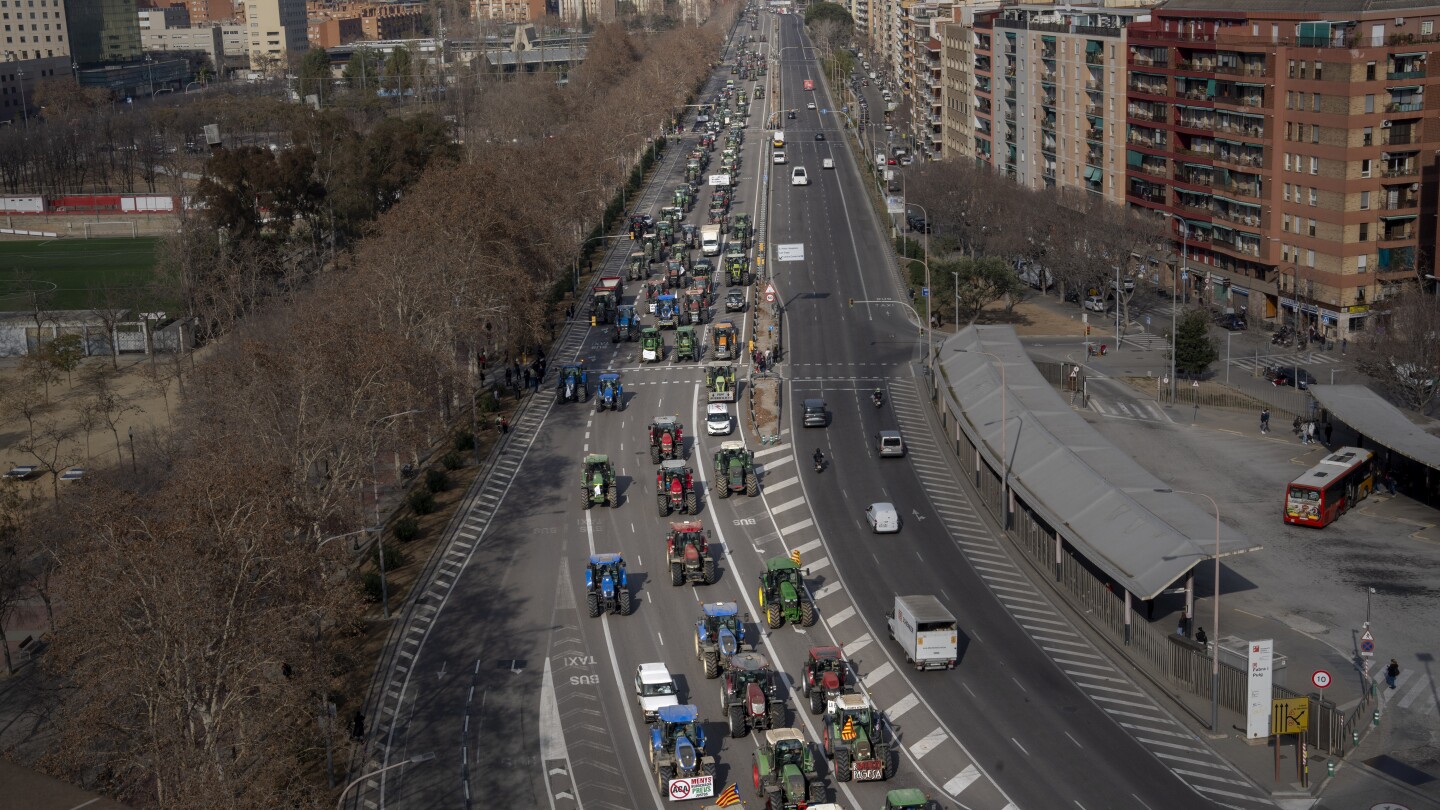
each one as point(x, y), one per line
point(827, 163)
point(717, 420)
point(798, 177)
point(883, 518)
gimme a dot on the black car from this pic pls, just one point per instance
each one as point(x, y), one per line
point(1289, 375)
point(1232, 321)
point(819, 136)
point(917, 223)
point(789, 113)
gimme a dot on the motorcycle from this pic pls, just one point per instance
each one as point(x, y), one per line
point(819, 464)
point(877, 398)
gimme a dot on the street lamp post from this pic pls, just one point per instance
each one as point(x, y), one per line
point(1004, 423)
point(11, 56)
point(375, 494)
point(1215, 616)
point(415, 760)
point(1175, 294)
point(133, 467)
point(929, 335)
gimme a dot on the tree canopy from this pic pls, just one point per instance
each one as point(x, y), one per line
point(828, 11)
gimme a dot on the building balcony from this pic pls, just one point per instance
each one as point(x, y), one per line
point(1095, 134)
point(1152, 169)
point(1148, 88)
point(1095, 111)
point(1243, 189)
point(1157, 144)
point(1253, 160)
point(1094, 59)
point(1198, 65)
point(1393, 137)
point(1399, 170)
point(1204, 150)
point(1154, 197)
point(1256, 70)
point(1400, 234)
point(1194, 177)
point(1404, 106)
point(1238, 217)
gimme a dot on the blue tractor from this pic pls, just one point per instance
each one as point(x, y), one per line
point(719, 634)
point(573, 384)
point(667, 311)
point(610, 394)
point(627, 325)
point(677, 746)
point(607, 589)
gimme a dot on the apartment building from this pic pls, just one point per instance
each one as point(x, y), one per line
point(959, 121)
point(1050, 95)
point(917, 74)
point(36, 47)
point(508, 11)
point(209, 11)
point(172, 16)
point(1287, 147)
point(102, 31)
point(156, 34)
point(277, 33)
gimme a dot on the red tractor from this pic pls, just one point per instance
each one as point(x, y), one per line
point(675, 489)
point(825, 678)
point(667, 439)
point(687, 547)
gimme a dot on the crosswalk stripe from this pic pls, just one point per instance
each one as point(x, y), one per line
point(808, 547)
point(901, 706)
point(962, 780)
point(877, 675)
point(841, 616)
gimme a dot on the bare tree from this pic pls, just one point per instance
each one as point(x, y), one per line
point(108, 405)
point(1403, 353)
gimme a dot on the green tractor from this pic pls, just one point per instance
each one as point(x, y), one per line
point(785, 775)
point(737, 270)
point(742, 231)
point(686, 346)
point(652, 345)
point(651, 243)
point(783, 596)
point(598, 484)
point(907, 799)
point(665, 232)
point(671, 215)
point(855, 739)
point(735, 470)
point(638, 266)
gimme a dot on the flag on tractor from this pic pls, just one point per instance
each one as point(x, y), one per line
point(795, 556)
point(730, 796)
point(847, 732)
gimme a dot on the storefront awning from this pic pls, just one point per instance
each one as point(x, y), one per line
point(1092, 174)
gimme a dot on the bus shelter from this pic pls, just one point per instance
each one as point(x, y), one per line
point(1405, 446)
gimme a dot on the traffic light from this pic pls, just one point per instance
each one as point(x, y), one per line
point(852, 303)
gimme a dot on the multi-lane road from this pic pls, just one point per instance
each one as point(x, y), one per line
point(526, 701)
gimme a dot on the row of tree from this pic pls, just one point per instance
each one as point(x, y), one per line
point(205, 614)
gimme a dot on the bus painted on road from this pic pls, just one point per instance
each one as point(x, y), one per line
point(1331, 488)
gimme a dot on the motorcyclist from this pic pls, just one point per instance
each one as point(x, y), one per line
point(819, 457)
point(878, 396)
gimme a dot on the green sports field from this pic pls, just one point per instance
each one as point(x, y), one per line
point(77, 273)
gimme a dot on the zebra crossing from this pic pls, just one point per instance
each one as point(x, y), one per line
point(1258, 363)
point(1147, 340)
point(1412, 694)
point(1139, 410)
point(1183, 752)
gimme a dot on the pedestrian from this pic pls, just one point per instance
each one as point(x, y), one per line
point(1344, 344)
point(1390, 482)
point(1329, 431)
point(1200, 636)
point(509, 378)
point(357, 726)
point(1180, 629)
point(504, 425)
point(1264, 420)
point(1391, 673)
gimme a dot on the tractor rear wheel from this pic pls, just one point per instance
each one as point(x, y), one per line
point(737, 720)
point(816, 791)
point(777, 714)
point(752, 485)
point(842, 766)
point(712, 664)
point(662, 504)
point(665, 773)
point(755, 774)
point(888, 764)
point(625, 603)
point(654, 454)
point(817, 701)
point(707, 570)
point(723, 486)
point(773, 617)
point(692, 503)
point(592, 603)
point(807, 612)
point(586, 503)
point(612, 495)
point(677, 574)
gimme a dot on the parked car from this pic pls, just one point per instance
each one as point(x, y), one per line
point(1288, 376)
point(1232, 321)
point(917, 223)
point(1094, 303)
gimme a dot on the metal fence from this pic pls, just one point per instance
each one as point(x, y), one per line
point(1173, 662)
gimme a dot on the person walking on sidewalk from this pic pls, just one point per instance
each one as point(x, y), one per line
point(1391, 673)
point(1264, 420)
point(1329, 431)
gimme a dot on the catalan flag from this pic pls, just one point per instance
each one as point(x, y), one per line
point(847, 732)
point(730, 796)
point(795, 556)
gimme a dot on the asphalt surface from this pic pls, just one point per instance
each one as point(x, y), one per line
point(526, 702)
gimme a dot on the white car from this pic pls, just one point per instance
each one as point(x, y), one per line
point(827, 163)
point(717, 420)
point(778, 158)
point(1094, 303)
point(798, 177)
point(654, 689)
point(809, 105)
point(883, 518)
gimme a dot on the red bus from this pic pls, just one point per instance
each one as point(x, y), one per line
point(1331, 488)
point(809, 84)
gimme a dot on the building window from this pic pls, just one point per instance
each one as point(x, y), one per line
point(1369, 71)
point(1319, 69)
point(1287, 192)
point(1302, 69)
point(1315, 102)
point(1314, 165)
point(1285, 223)
point(1292, 68)
point(1287, 161)
point(1427, 28)
point(1369, 137)
point(1314, 133)
point(1364, 232)
point(1362, 263)
point(1364, 201)
point(1365, 167)
point(1369, 102)
point(1309, 258)
point(1314, 197)
point(1311, 223)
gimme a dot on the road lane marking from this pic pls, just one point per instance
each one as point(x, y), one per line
point(901, 706)
point(929, 743)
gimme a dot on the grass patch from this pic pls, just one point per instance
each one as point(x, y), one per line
point(76, 273)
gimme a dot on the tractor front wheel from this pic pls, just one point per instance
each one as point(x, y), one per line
point(592, 603)
point(777, 714)
point(842, 766)
point(692, 503)
point(612, 496)
point(737, 720)
point(755, 773)
point(707, 569)
point(724, 487)
point(817, 701)
point(586, 503)
point(773, 617)
point(712, 664)
point(677, 574)
point(665, 773)
point(888, 764)
point(816, 790)
point(807, 613)
point(662, 504)
point(625, 603)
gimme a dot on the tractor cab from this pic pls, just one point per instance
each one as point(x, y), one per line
point(721, 625)
point(741, 230)
point(782, 594)
point(652, 345)
point(750, 668)
point(670, 217)
point(687, 539)
point(906, 799)
point(665, 229)
point(676, 729)
point(611, 393)
point(855, 711)
point(697, 303)
point(675, 485)
point(690, 236)
point(725, 340)
point(675, 273)
point(651, 243)
point(825, 678)
point(735, 470)
point(667, 310)
point(573, 384)
point(788, 745)
point(667, 439)
point(598, 482)
point(654, 288)
point(627, 324)
point(687, 346)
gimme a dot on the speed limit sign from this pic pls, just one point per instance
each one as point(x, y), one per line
point(1320, 678)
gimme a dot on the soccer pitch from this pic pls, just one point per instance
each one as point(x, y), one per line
point(77, 273)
